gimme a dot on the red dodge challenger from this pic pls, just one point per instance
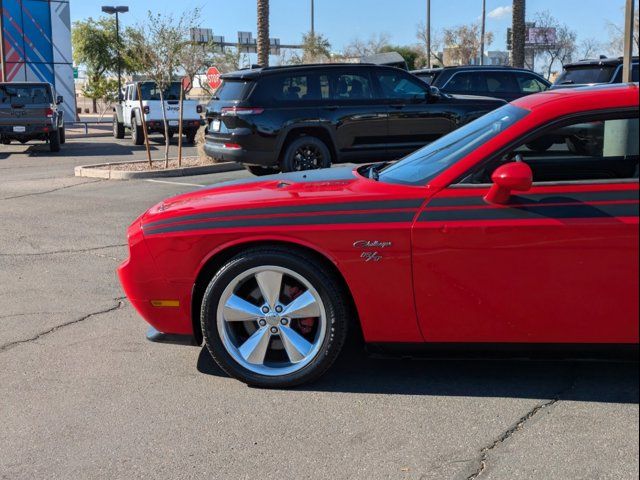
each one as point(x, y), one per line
point(476, 238)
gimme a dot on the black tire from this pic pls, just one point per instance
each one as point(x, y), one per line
point(54, 140)
point(137, 135)
point(326, 285)
point(261, 171)
point(63, 136)
point(540, 145)
point(118, 128)
point(306, 153)
point(191, 135)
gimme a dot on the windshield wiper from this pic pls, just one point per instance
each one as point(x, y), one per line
point(373, 170)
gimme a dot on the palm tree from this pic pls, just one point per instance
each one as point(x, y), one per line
point(519, 33)
point(263, 33)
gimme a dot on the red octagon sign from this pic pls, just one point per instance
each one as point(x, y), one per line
point(213, 78)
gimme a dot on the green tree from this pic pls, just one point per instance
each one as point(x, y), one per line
point(410, 54)
point(95, 46)
point(315, 48)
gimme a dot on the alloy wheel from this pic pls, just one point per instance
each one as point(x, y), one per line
point(271, 320)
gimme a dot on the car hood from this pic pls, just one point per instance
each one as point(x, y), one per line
point(318, 190)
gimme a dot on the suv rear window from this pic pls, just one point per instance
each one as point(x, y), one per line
point(233, 90)
point(587, 74)
point(17, 94)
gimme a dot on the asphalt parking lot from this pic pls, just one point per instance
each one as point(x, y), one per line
point(84, 395)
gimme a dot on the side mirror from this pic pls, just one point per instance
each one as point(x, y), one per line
point(59, 100)
point(510, 177)
point(434, 92)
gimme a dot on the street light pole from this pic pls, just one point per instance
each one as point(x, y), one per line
point(428, 27)
point(628, 41)
point(313, 27)
point(484, 10)
point(116, 11)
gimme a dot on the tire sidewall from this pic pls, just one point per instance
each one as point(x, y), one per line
point(335, 316)
point(288, 162)
point(54, 140)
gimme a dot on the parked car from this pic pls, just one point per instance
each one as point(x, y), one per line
point(594, 71)
point(471, 240)
point(310, 116)
point(127, 112)
point(30, 111)
point(507, 83)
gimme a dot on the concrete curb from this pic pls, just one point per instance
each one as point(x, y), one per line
point(103, 170)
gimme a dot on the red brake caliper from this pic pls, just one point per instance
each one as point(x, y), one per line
point(305, 325)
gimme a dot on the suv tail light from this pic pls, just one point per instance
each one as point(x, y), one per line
point(49, 112)
point(146, 109)
point(199, 109)
point(241, 111)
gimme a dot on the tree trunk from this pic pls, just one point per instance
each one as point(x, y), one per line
point(519, 33)
point(167, 140)
point(263, 33)
point(94, 103)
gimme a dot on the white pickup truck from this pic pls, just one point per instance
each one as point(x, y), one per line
point(127, 112)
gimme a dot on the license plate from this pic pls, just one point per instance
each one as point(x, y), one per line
point(215, 126)
point(173, 123)
point(19, 129)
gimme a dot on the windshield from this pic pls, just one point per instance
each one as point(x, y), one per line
point(25, 94)
point(150, 91)
point(423, 165)
point(582, 75)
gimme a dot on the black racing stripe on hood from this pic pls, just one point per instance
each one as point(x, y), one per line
point(412, 203)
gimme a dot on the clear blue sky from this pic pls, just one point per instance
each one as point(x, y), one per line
point(343, 20)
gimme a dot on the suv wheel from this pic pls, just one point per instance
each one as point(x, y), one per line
point(118, 128)
point(272, 318)
point(54, 140)
point(306, 153)
point(260, 171)
point(137, 134)
point(63, 137)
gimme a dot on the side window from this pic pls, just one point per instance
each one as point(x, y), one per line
point(291, 88)
point(530, 84)
point(351, 86)
point(595, 148)
point(499, 82)
point(461, 83)
point(395, 85)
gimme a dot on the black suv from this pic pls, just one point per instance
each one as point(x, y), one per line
point(309, 116)
point(507, 83)
point(29, 111)
point(589, 72)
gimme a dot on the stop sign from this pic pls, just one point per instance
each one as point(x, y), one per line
point(213, 78)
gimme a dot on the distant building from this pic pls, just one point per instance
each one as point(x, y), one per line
point(491, 57)
point(35, 46)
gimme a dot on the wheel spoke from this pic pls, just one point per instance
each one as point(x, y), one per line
point(302, 307)
point(296, 346)
point(254, 349)
point(238, 310)
point(269, 283)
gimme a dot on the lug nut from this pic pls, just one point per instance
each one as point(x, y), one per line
point(278, 309)
point(274, 329)
point(265, 309)
point(284, 321)
point(262, 322)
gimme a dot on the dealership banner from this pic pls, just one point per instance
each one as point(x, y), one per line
point(36, 46)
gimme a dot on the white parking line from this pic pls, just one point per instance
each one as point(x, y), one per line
point(176, 183)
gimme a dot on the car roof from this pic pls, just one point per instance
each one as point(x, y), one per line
point(253, 73)
point(574, 100)
point(473, 67)
point(588, 62)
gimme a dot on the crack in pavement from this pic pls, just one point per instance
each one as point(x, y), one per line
point(51, 191)
point(58, 252)
point(119, 304)
point(519, 425)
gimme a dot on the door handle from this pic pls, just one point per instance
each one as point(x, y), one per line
point(397, 106)
point(331, 107)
